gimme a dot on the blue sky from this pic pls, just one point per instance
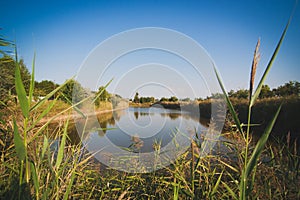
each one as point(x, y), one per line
point(63, 33)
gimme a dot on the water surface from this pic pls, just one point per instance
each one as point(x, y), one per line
point(139, 129)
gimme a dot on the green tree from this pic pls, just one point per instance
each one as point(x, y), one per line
point(163, 99)
point(216, 95)
point(231, 93)
point(102, 95)
point(265, 92)
point(44, 87)
point(187, 99)
point(136, 98)
point(240, 94)
point(73, 92)
point(7, 76)
point(173, 99)
point(288, 89)
point(147, 99)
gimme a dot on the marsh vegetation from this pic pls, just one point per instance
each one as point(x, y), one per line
point(39, 162)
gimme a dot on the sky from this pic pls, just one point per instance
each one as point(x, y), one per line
point(64, 35)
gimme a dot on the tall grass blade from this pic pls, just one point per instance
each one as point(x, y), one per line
point(19, 144)
point(229, 104)
point(256, 153)
point(45, 112)
point(60, 153)
point(21, 93)
point(4, 43)
point(232, 193)
point(66, 195)
point(45, 146)
point(217, 185)
point(52, 118)
point(175, 191)
point(75, 107)
point(262, 80)
point(31, 87)
point(35, 179)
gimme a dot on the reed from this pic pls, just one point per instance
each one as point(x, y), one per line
point(248, 172)
point(255, 61)
point(39, 162)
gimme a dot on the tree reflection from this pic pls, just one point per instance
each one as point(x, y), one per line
point(136, 144)
point(144, 113)
point(172, 116)
point(108, 119)
point(136, 115)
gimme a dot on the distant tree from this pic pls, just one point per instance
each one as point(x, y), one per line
point(73, 92)
point(198, 99)
point(186, 99)
point(240, 94)
point(231, 93)
point(163, 99)
point(216, 95)
point(102, 95)
point(152, 99)
point(265, 92)
point(147, 99)
point(7, 76)
point(44, 87)
point(142, 100)
point(288, 89)
point(136, 98)
point(173, 99)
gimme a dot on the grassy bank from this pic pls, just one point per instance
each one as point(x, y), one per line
point(263, 110)
point(39, 162)
point(78, 176)
point(140, 105)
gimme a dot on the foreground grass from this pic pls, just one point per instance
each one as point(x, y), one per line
point(80, 177)
point(39, 163)
point(59, 169)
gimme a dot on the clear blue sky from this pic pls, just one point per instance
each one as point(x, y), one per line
point(64, 32)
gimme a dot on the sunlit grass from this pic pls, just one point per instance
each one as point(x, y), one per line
point(39, 162)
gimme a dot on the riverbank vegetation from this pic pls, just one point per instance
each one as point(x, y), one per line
point(42, 163)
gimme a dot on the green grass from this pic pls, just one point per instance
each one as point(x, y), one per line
point(39, 162)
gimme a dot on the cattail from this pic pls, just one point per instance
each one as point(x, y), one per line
point(254, 66)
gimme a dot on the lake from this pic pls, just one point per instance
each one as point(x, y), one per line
point(139, 133)
point(137, 129)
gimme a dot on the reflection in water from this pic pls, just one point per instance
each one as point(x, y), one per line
point(139, 129)
point(100, 124)
point(172, 116)
point(108, 119)
point(137, 144)
point(144, 114)
point(136, 115)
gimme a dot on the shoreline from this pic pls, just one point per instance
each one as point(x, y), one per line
point(63, 117)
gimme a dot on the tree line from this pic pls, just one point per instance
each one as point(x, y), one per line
point(44, 87)
point(292, 88)
point(138, 99)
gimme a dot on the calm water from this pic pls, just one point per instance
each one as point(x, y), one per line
point(138, 129)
